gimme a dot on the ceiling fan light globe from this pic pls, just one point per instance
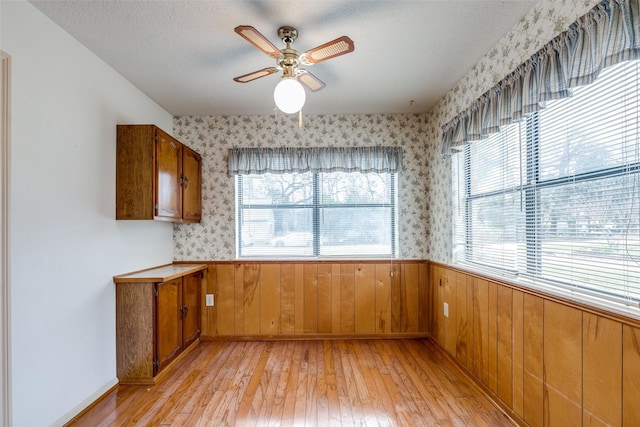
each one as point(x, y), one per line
point(289, 95)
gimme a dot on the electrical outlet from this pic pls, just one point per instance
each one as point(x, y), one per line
point(446, 310)
point(209, 300)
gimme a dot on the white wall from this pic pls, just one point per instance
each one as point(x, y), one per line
point(65, 244)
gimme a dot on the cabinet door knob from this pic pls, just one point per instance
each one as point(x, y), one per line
point(184, 310)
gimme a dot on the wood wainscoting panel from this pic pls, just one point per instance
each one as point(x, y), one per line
point(562, 364)
point(470, 324)
point(347, 299)
point(518, 353)
point(545, 360)
point(450, 321)
point(224, 301)
point(299, 293)
point(424, 300)
point(251, 299)
point(630, 375)
point(302, 298)
point(437, 295)
point(413, 285)
point(208, 285)
point(324, 298)
point(532, 360)
point(336, 302)
point(461, 318)
point(481, 330)
point(398, 298)
point(505, 344)
point(365, 299)
point(383, 298)
point(269, 291)
point(310, 289)
point(602, 371)
point(492, 313)
point(238, 297)
point(287, 299)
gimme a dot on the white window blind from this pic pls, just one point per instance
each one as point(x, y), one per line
point(555, 198)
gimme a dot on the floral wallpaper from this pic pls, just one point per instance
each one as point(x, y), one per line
point(214, 237)
point(424, 187)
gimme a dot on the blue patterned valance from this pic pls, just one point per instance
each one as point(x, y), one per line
point(244, 161)
point(607, 35)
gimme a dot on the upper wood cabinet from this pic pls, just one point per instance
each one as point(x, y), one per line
point(157, 177)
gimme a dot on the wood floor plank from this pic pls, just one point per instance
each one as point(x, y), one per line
point(357, 412)
point(217, 376)
point(322, 398)
point(194, 403)
point(311, 393)
point(303, 383)
point(300, 409)
point(274, 397)
point(333, 402)
point(426, 388)
point(281, 391)
point(288, 411)
point(408, 390)
point(404, 405)
point(246, 409)
point(342, 389)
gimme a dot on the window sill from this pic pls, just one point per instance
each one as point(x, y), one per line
point(549, 290)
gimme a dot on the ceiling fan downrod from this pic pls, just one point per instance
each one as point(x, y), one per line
point(289, 61)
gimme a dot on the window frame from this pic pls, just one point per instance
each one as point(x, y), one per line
point(316, 208)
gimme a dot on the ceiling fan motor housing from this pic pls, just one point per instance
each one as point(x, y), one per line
point(287, 34)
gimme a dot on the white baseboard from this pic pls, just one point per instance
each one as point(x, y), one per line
point(84, 404)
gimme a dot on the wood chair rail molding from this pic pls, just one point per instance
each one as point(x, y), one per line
point(619, 317)
point(310, 261)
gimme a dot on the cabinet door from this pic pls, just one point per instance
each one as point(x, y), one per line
point(168, 170)
point(135, 151)
point(168, 322)
point(191, 308)
point(191, 185)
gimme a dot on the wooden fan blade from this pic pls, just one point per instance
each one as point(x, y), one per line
point(309, 80)
point(256, 75)
point(254, 37)
point(334, 48)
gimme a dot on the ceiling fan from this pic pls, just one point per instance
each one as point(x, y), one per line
point(289, 61)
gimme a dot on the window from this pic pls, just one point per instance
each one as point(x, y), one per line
point(556, 198)
point(316, 201)
point(316, 214)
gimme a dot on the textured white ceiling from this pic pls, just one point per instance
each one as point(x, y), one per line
point(184, 54)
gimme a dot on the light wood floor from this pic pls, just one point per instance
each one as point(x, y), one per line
point(310, 383)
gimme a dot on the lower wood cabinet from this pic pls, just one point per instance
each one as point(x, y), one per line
point(157, 319)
